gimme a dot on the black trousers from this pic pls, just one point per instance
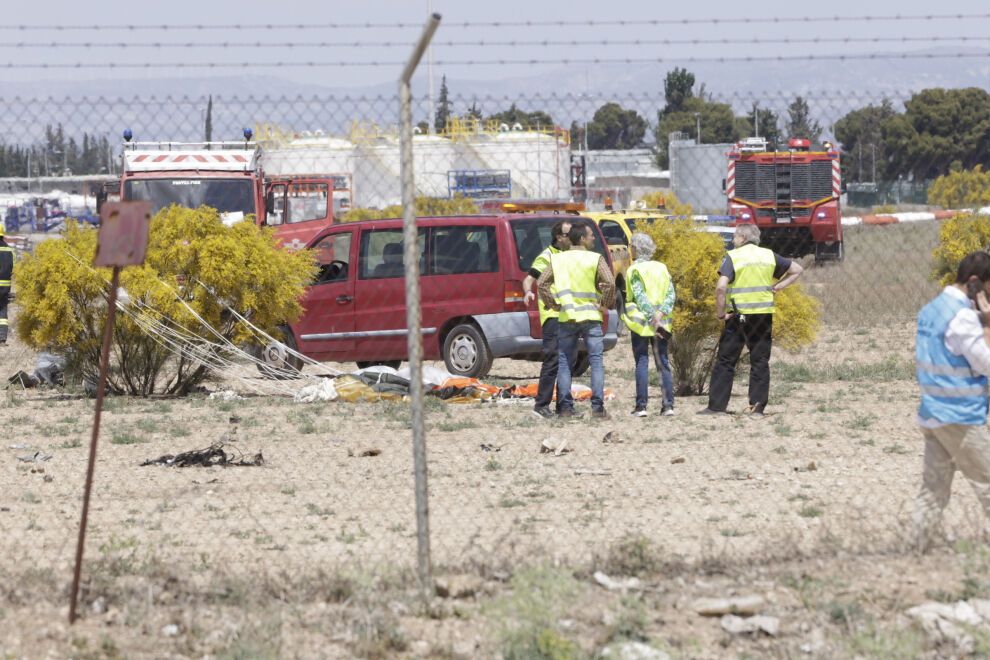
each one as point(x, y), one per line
point(755, 334)
point(4, 296)
point(551, 359)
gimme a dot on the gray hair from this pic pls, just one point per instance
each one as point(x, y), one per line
point(749, 232)
point(643, 246)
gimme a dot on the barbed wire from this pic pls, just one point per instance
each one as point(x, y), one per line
point(500, 62)
point(500, 43)
point(501, 24)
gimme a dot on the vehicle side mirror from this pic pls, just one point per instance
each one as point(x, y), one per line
point(842, 188)
point(723, 185)
point(270, 202)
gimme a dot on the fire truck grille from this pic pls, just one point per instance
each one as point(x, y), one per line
point(766, 181)
point(821, 179)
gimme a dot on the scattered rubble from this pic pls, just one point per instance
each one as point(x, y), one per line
point(953, 622)
point(556, 447)
point(212, 455)
point(633, 651)
point(738, 625)
point(746, 605)
point(617, 584)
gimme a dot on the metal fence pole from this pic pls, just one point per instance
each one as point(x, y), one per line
point(413, 315)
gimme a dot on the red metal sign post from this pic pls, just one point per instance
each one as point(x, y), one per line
point(122, 241)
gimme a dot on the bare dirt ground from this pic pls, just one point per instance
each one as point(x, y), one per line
point(313, 554)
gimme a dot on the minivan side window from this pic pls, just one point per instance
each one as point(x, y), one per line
point(333, 253)
point(381, 253)
point(459, 250)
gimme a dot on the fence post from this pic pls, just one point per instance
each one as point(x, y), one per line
point(413, 315)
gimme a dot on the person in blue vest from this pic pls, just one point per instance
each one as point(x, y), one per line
point(952, 352)
point(648, 314)
point(749, 277)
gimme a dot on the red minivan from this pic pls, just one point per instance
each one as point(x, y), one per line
point(471, 274)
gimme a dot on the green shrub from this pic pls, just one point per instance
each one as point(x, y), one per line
point(961, 189)
point(528, 613)
point(425, 206)
point(957, 237)
point(195, 266)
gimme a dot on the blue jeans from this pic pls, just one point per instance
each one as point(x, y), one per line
point(567, 337)
point(641, 354)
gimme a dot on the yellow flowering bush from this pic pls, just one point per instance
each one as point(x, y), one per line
point(961, 189)
point(957, 237)
point(195, 267)
point(693, 258)
point(425, 206)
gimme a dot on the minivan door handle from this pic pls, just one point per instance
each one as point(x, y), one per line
point(344, 299)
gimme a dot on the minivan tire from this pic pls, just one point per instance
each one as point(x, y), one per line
point(275, 361)
point(466, 352)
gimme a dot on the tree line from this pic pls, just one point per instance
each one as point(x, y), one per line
point(940, 130)
point(57, 155)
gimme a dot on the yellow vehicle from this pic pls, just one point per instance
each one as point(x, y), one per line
point(617, 228)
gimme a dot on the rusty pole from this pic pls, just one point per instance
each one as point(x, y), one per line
point(100, 390)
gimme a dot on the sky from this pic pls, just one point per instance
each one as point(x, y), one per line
point(503, 47)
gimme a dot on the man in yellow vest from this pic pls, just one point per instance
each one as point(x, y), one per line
point(548, 320)
point(6, 273)
point(648, 314)
point(579, 283)
point(749, 277)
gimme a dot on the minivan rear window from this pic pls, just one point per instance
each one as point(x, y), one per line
point(532, 236)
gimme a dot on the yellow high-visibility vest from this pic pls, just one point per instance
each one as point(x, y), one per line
point(750, 292)
point(656, 282)
point(574, 274)
point(540, 263)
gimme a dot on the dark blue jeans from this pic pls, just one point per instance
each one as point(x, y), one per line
point(568, 335)
point(641, 353)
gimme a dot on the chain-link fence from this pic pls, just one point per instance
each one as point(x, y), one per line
point(833, 470)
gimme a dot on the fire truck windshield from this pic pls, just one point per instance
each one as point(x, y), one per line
point(225, 195)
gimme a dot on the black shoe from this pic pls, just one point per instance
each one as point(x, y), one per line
point(667, 411)
point(569, 413)
point(600, 414)
point(709, 411)
point(543, 412)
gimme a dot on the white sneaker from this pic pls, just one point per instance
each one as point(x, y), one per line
point(639, 412)
point(668, 411)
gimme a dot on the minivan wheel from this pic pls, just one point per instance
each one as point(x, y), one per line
point(276, 359)
point(581, 365)
point(466, 353)
point(394, 364)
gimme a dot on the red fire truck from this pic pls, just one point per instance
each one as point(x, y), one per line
point(792, 196)
point(227, 176)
